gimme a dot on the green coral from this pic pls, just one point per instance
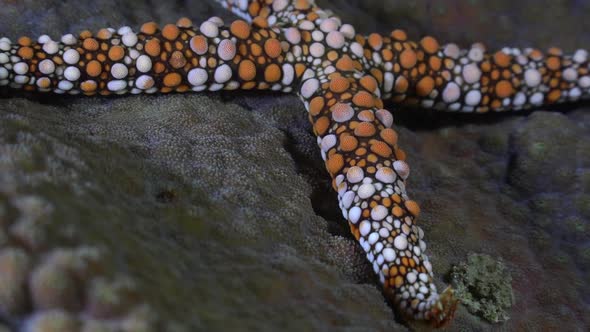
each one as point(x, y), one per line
point(483, 285)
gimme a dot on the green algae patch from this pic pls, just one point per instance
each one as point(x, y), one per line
point(483, 285)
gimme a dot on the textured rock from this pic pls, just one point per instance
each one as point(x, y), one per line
point(217, 205)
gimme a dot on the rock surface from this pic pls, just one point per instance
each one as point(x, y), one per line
point(218, 208)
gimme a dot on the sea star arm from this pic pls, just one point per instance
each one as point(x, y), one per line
point(369, 173)
point(429, 75)
point(277, 13)
point(355, 133)
point(179, 57)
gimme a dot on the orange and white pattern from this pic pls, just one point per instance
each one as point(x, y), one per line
point(342, 77)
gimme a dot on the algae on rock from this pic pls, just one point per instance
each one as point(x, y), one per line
point(483, 285)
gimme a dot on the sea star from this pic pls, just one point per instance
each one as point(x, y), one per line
point(342, 78)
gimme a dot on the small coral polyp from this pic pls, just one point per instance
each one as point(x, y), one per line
point(68, 288)
point(343, 79)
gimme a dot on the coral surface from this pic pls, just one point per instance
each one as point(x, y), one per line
point(218, 209)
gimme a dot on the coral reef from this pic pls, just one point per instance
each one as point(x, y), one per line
point(145, 174)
